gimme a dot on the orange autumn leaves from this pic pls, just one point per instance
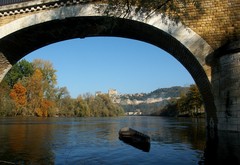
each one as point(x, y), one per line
point(18, 94)
point(31, 96)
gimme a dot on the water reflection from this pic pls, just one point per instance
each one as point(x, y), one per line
point(25, 142)
point(223, 149)
point(95, 141)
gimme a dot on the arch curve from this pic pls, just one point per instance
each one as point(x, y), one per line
point(80, 21)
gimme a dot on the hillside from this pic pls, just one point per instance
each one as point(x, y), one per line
point(149, 102)
point(155, 96)
point(168, 92)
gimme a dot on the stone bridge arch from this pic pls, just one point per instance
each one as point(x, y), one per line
point(26, 34)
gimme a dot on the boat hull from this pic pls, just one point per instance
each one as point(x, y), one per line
point(135, 138)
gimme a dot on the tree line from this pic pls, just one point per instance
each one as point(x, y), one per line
point(30, 89)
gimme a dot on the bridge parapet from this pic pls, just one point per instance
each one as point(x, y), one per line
point(25, 6)
point(8, 2)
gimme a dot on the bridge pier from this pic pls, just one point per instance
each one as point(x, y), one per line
point(225, 63)
point(5, 66)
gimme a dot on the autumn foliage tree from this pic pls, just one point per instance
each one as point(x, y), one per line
point(35, 92)
point(45, 108)
point(32, 89)
point(18, 94)
point(37, 101)
point(49, 78)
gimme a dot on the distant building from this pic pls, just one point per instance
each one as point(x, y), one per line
point(136, 113)
point(112, 92)
point(98, 93)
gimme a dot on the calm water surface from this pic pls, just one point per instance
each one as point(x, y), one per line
point(95, 141)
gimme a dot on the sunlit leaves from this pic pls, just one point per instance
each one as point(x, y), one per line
point(81, 108)
point(18, 94)
point(32, 85)
point(45, 108)
point(49, 79)
point(35, 86)
point(191, 101)
point(101, 105)
point(35, 94)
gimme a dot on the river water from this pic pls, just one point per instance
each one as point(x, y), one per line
point(95, 141)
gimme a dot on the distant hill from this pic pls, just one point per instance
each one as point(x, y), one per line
point(158, 94)
point(168, 92)
point(148, 102)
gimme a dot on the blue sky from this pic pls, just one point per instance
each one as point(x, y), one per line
point(100, 63)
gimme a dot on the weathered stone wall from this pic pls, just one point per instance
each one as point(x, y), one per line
point(4, 66)
point(226, 85)
point(218, 23)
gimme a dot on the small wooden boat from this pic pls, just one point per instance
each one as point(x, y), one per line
point(135, 138)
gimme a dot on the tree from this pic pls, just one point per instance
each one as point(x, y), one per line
point(194, 98)
point(35, 91)
point(49, 78)
point(20, 70)
point(102, 105)
point(38, 104)
point(190, 102)
point(67, 107)
point(61, 93)
point(62, 97)
point(6, 103)
point(170, 109)
point(81, 108)
point(18, 94)
point(45, 109)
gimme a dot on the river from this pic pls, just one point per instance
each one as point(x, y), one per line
point(95, 141)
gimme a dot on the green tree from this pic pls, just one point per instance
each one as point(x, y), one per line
point(7, 105)
point(190, 102)
point(182, 104)
point(81, 108)
point(194, 98)
point(170, 109)
point(20, 70)
point(105, 107)
point(67, 107)
point(61, 94)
